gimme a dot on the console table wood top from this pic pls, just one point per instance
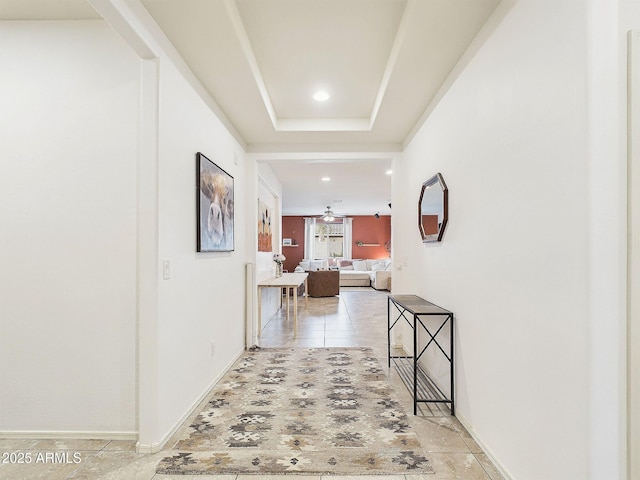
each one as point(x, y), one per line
point(418, 305)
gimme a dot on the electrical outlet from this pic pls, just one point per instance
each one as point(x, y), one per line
point(213, 347)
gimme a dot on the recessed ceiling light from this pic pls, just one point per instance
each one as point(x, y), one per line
point(321, 96)
point(325, 179)
point(389, 172)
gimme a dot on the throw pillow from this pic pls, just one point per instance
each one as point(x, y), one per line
point(360, 265)
point(385, 264)
point(316, 265)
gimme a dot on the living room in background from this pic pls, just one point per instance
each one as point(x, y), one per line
point(373, 232)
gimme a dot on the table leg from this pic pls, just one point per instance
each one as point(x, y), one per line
point(306, 293)
point(415, 364)
point(295, 312)
point(452, 367)
point(259, 310)
point(287, 289)
point(389, 331)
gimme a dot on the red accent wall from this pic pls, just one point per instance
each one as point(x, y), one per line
point(369, 229)
point(366, 229)
point(293, 228)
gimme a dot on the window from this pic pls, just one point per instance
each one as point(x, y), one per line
point(329, 240)
point(332, 234)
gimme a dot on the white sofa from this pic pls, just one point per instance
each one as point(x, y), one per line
point(370, 272)
point(350, 278)
point(381, 279)
point(355, 273)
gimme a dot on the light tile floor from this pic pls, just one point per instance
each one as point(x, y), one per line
point(357, 317)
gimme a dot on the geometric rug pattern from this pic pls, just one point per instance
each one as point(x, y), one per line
point(300, 411)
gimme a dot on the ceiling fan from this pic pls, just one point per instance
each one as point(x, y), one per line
point(328, 215)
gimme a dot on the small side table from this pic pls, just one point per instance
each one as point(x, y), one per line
point(412, 373)
point(286, 281)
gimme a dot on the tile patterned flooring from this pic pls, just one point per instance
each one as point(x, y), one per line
point(355, 318)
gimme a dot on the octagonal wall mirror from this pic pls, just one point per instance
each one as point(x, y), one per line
point(433, 209)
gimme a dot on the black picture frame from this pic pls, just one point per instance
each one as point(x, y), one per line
point(214, 206)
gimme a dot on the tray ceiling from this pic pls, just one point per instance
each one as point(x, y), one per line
point(384, 64)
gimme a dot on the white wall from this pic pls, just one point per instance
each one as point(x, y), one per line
point(203, 301)
point(607, 179)
point(634, 260)
point(71, 149)
point(510, 138)
point(69, 96)
point(629, 18)
point(270, 192)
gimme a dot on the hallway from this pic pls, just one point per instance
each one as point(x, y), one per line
point(356, 318)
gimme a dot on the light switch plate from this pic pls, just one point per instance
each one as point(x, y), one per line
point(166, 270)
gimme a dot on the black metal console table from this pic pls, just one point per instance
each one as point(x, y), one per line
point(409, 368)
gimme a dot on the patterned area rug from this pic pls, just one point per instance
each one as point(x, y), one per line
point(300, 411)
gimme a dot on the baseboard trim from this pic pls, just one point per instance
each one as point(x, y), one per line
point(152, 448)
point(68, 435)
point(156, 447)
point(465, 423)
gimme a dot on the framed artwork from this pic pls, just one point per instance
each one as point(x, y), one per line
point(265, 215)
point(286, 242)
point(214, 189)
